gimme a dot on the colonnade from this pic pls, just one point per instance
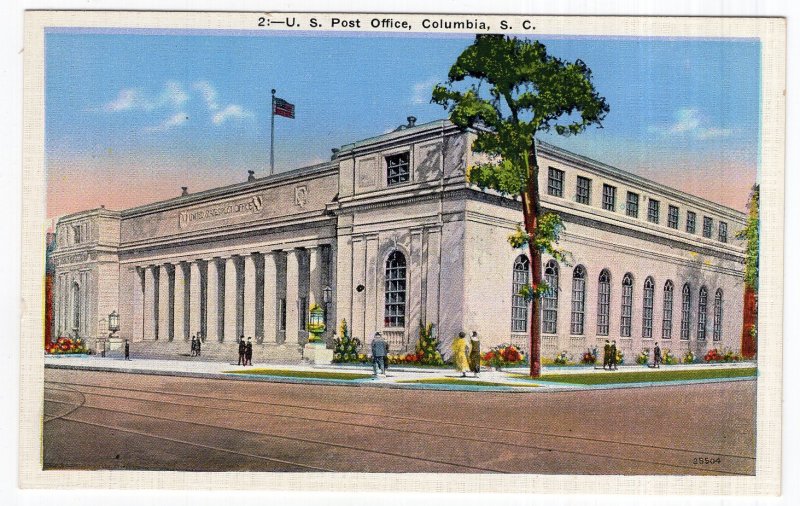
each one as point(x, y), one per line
point(264, 295)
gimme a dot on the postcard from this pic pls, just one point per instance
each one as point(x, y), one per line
point(278, 250)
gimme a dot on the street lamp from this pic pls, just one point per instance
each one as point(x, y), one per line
point(113, 322)
point(326, 298)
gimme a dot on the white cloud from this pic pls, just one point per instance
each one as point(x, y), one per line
point(127, 98)
point(208, 93)
point(421, 92)
point(690, 122)
point(173, 95)
point(232, 111)
point(175, 120)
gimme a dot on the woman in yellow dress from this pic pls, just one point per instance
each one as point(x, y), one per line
point(460, 354)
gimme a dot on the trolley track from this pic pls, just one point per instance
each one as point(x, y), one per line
point(457, 438)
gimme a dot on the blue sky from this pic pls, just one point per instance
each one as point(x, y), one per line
point(164, 110)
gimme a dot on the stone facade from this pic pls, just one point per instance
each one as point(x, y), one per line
point(392, 228)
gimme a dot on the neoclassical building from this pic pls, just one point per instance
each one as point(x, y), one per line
point(389, 233)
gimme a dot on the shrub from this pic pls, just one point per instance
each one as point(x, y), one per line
point(713, 355)
point(668, 358)
point(688, 358)
point(427, 349)
point(562, 358)
point(620, 357)
point(345, 347)
point(503, 355)
point(590, 356)
point(643, 357)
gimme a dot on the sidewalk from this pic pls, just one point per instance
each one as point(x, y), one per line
point(507, 380)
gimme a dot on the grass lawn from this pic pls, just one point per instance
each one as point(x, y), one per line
point(607, 378)
point(290, 373)
point(456, 381)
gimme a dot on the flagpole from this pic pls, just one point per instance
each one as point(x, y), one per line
point(272, 136)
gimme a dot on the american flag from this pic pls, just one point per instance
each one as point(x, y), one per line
point(283, 108)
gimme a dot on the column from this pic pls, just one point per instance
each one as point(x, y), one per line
point(249, 310)
point(137, 316)
point(230, 300)
point(164, 327)
point(179, 318)
point(149, 302)
point(359, 278)
point(432, 247)
point(212, 301)
point(373, 319)
point(270, 297)
point(316, 277)
point(292, 296)
point(194, 298)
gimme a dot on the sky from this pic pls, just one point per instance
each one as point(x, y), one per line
point(131, 117)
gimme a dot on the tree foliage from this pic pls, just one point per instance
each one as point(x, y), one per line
point(750, 235)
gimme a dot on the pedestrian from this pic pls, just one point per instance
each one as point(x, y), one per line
point(194, 346)
point(475, 353)
point(607, 355)
point(613, 357)
point(242, 350)
point(657, 356)
point(379, 349)
point(127, 350)
point(459, 348)
point(197, 350)
point(386, 358)
point(248, 352)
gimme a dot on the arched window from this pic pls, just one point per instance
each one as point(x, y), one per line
point(395, 307)
point(519, 306)
point(702, 314)
point(718, 315)
point(647, 308)
point(603, 302)
point(686, 315)
point(578, 299)
point(627, 306)
point(666, 328)
point(550, 299)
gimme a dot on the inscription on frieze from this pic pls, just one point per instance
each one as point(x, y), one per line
point(252, 205)
point(72, 258)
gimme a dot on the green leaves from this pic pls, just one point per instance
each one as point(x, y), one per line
point(750, 234)
point(544, 239)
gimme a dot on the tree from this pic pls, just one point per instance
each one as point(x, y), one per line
point(750, 234)
point(508, 90)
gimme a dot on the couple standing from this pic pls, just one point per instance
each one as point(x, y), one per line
point(467, 358)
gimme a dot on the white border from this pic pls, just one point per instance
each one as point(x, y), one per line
point(37, 196)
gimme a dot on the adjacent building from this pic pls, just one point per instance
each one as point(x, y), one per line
point(388, 234)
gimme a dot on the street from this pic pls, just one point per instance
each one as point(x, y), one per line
point(103, 420)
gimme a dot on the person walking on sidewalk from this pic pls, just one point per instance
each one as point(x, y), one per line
point(613, 358)
point(197, 349)
point(379, 349)
point(657, 356)
point(242, 350)
point(248, 352)
point(194, 346)
point(607, 355)
point(475, 353)
point(459, 348)
point(127, 350)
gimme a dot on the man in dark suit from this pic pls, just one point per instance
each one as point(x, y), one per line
point(242, 351)
point(607, 355)
point(248, 352)
point(379, 349)
point(656, 356)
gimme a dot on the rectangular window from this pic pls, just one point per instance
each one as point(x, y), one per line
point(723, 231)
point(397, 169)
point(708, 225)
point(691, 222)
point(672, 217)
point(583, 190)
point(632, 206)
point(653, 210)
point(609, 197)
point(555, 182)
point(282, 314)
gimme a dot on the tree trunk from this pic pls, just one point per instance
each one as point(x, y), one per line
point(531, 210)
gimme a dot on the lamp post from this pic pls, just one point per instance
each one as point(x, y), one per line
point(113, 323)
point(326, 299)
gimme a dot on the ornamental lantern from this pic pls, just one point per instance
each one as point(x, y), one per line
point(113, 322)
point(326, 295)
point(316, 323)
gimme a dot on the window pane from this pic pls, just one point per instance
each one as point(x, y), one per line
point(519, 306)
point(672, 218)
point(395, 288)
point(397, 169)
point(632, 207)
point(691, 222)
point(609, 197)
point(583, 190)
point(652, 210)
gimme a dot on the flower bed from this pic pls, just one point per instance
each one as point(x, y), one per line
point(713, 355)
point(668, 358)
point(643, 357)
point(504, 355)
point(66, 346)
